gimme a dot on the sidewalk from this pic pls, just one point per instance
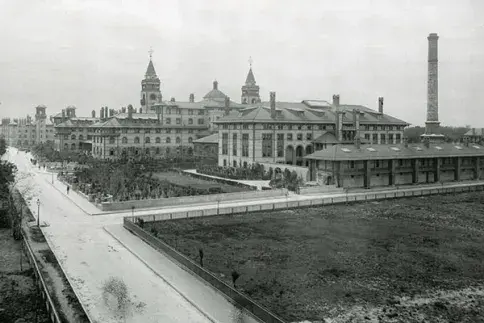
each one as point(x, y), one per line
point(209, 301)
point(257, 183)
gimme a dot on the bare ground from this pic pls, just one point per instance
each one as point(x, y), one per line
point(406, 260)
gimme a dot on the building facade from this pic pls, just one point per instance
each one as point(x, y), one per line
point(403, 164)
point(285, 132)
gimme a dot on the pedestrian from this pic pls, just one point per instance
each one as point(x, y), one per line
point(68, 188)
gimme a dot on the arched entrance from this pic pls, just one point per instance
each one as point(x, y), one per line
point(290, 155)
point(299, 155)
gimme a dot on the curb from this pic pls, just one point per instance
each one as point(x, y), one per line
point(163, 278)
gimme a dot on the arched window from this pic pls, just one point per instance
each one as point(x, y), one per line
point(81, 137)
point(136, 140)
point(253, 101)
point(147, 140)
point(168, 150)
point(157, 150)
point(147, 151)
point(168, 140)
point(73, 137)
point(178, 140)
point(125, 140)
point(73, 147)
point(190, 121)
point(158, 140)
point(111, 140)
point(190, 140)
point(66, 146)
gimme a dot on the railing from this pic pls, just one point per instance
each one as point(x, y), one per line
point(49, 304)
point(238, 298)
point(310, 202)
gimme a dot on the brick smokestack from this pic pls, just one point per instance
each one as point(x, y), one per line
point(356, 122)
point(191, 98)
point(101, 113)
point(93, 113)
point(130, 111)
point(336, 100)
point(432, 124)
point(380, 105)
point(272, 96)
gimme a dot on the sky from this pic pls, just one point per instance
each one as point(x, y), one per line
point(94, 53)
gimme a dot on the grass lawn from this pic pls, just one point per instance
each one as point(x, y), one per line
point(186, 180)
point(405, 260)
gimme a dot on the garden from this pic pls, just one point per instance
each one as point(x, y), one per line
point(118, 181)
point(256, 171)
point(406, 260)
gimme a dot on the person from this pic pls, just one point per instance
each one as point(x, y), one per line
point(68, 189)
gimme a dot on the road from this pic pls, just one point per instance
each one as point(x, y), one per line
point(89, 255)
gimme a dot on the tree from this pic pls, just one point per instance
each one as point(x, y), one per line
point(3, 146)
point(116, 288)
point(235, 276)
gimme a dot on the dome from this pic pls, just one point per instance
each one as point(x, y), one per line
point(215, 93)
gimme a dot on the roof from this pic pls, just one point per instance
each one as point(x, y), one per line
point(215, 93)
point(250, 80)
point(327, 137)
point(378, 152)
point(150, 70)
point(212, 139)
point(475, 132)
point(303, 112)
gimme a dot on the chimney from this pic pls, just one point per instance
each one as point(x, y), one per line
point(191, 98)
point(356, 121)
point(111, 112)
point(130, 111)
point(473, 131)
point(432, 124)
point(172, 99)
point(336, 100)
point(215, 85)
point(140, 110)
point(227, 105)
point(272, 96)
point(357, 142)
point(380, 105)
point(102, 113)
point(93, 113)
point(405, 142)
point(339, 125)
point(63, 115)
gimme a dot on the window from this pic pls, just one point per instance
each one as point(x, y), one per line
point(383, 139)
point(200, 121)
point(390, 138)
point(245, 126)
point(289, 137)
point(178, 131)
point(309, 136)
point(299, 127)
point(124, 130)
point(190, 121)
point(136, 140)
point(190, 112)
point(66, 137)
point(111, 140)
point(158, 150)
point(190, 140)
point(81, 137)
point(157, 130)
point(225, 144)
point(178, 120)
point(168, 120)
point(136, 131)
point(200, 112)
point(168, 111)
point(111, 152)
point(73, 146)
point(367, 136)
point(352, 164)
point(168, 140)
point(398, 138)
point(147, 140)
point(158, 140)
point(374, 139)
point(280, 145)
point(124, 140)
point(234, 144)
point(299, 136)
point(178, 140)
point(235, 163)
point(225, 162)
point(322, 127)
point(245, 145)
point(190, 130)
point(168, 130)
point(147, 131)
point(266, 145)
point(377, 163)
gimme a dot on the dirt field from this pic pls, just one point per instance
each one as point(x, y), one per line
point(406, 260)
point(19, 299)
point(185, 180)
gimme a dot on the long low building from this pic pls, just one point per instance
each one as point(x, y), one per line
point(368, 166)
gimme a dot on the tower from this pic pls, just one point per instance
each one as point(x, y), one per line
point(432, 124)
point(150, 88)
point(40, 112)
point(250, 91)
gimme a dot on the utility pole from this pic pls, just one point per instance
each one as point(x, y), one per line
point(38, 213)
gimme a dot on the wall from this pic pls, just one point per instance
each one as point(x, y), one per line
point(140, 204)
point(302, 172)
point(235, 296)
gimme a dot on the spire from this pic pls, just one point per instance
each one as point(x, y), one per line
point(150, 71)
point(250, 80)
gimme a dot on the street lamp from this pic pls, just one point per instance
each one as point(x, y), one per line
point(38, 213)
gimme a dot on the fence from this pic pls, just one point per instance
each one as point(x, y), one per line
point(49, 304)
point(238, 298)
point(309, 202)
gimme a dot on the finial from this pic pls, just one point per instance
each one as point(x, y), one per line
point(250, 61)
point(151, 52)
